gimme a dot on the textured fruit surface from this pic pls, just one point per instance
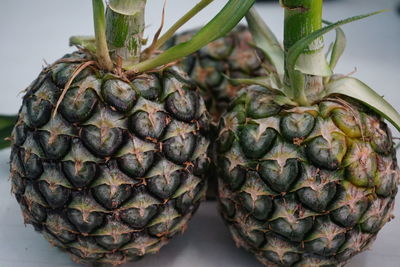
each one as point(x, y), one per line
point(232, 56)
point(304, 186)
point(119, 168)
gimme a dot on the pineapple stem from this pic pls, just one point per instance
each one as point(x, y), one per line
point(103, 56)
point(190, 14)
point(125, 27)
point(302, 17)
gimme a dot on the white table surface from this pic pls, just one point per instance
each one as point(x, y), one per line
point(31, 31)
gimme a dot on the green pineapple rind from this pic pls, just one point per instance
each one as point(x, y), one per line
point(119, 169)
point(307, 186)
point(232, 56)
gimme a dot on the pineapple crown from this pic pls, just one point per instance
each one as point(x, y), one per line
point(119, 30)
point(301, 73)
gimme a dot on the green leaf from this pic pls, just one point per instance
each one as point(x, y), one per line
point(218, 27)
point(284, 100)
point(190, 14)
point(270, 82)
point(5, 133)
point(7, 120)
point(87, 42)
point(6, 127)
point(300, 46)
point(265, 39)
point(356, 89)
point(338, 47)
point(313, 63)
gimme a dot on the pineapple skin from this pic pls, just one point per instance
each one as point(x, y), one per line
point(119, 169)
point(304, 186)
point(232, 56)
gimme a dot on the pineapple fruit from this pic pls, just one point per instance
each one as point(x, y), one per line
point(307, 174)
point(120, 167)
point(110, 151)
point(294, 180)
point(232, 56)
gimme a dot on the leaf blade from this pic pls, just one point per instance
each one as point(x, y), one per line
point(86, 42)
point(7, 120)
point(297, 49)
point(265, 39)
point(338, 46)
point(269, 82)
point(219, 26)
point(6, 126)
point(314, 63)
point(358, 90)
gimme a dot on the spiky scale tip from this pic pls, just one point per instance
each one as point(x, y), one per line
point(106, 178)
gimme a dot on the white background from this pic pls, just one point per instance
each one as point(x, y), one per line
point(33, 31)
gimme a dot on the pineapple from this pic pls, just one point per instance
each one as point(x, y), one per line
point(110, 153)
point(308, 170)
point(117, 164)
point(231, 56)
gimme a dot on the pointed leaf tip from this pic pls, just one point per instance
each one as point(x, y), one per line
point(338, 48)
